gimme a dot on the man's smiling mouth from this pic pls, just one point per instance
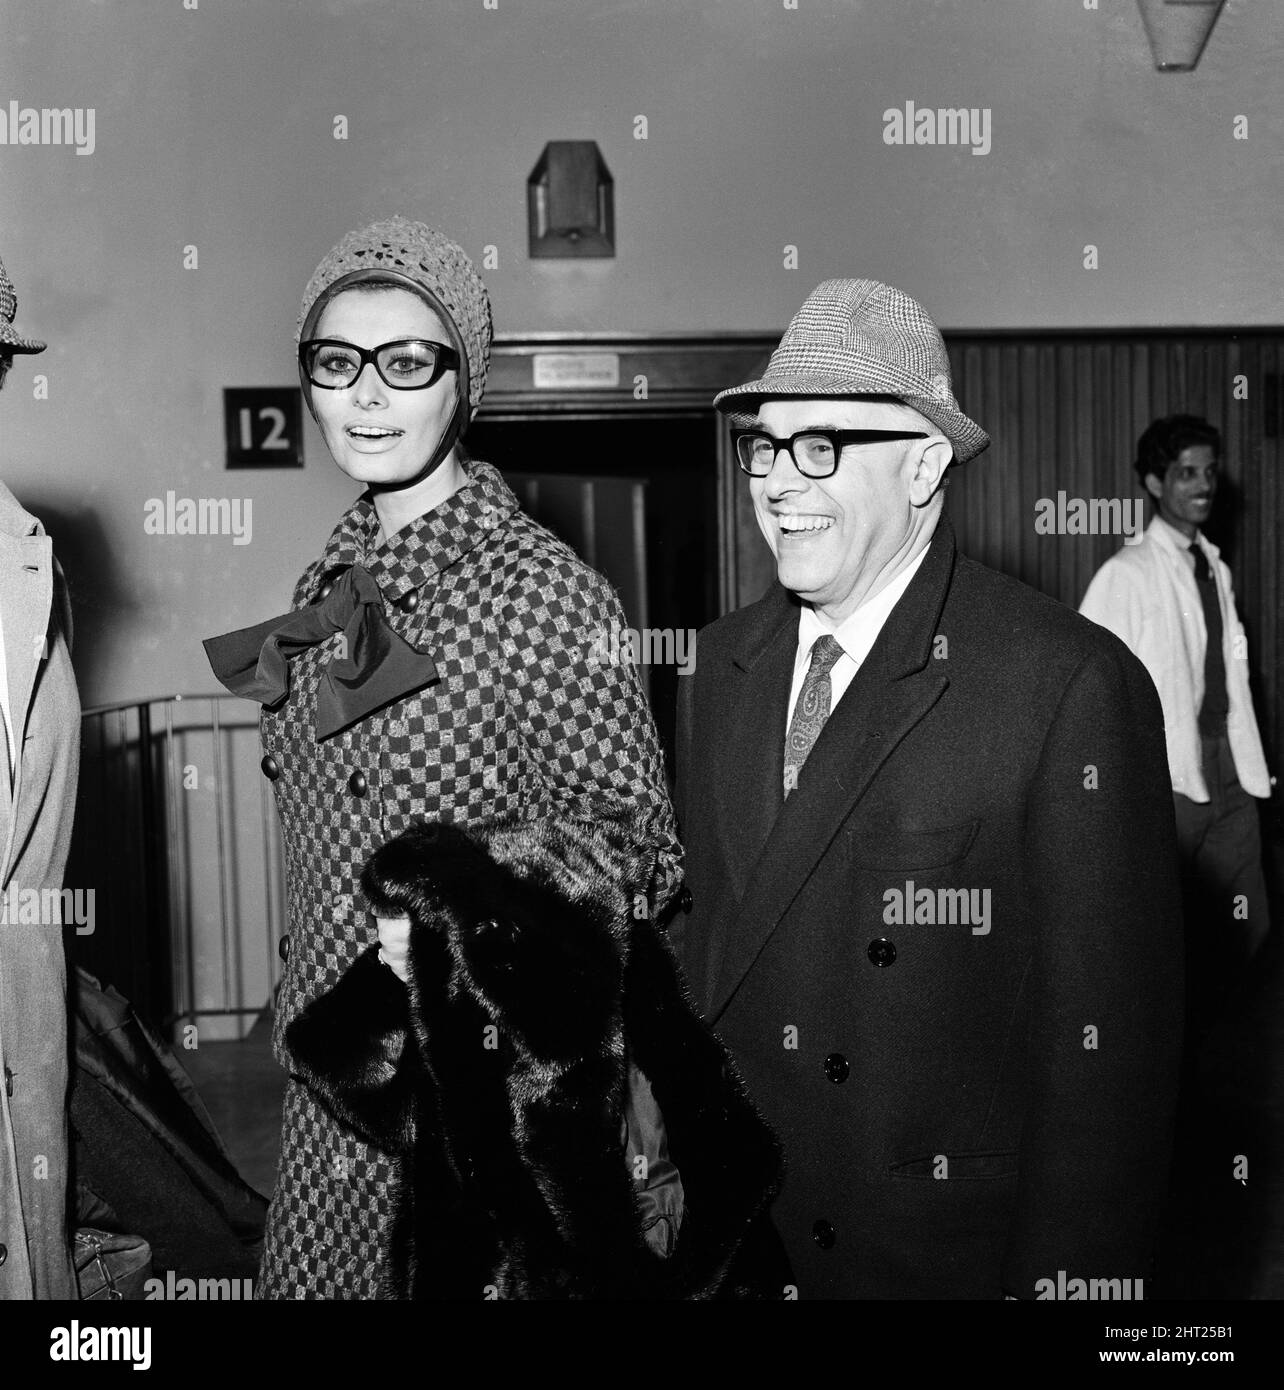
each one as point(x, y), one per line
point(798, 523)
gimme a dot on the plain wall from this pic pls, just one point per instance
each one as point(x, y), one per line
point(214, 127)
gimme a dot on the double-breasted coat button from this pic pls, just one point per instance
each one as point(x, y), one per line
point(409, 601)
point(357, 784)
point(823, 1234)
point(323, 592)
point(283, 948)
point(271, 768)
point(4, 1253)
point(882, 952)
point(836, 1067)
point(685, 899)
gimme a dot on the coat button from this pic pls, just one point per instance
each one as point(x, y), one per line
point(283, 948)
point(323, 592)
point(685, 900)
point(357, 784)
point(271, 768)
point(882, 951)
point(8, 1082)
point(4, 1253)
point(823, 1234)
point(836, 1067)
point(409, 601)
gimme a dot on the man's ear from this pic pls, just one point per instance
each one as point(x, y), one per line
point(934, 456)
point(1154, 485)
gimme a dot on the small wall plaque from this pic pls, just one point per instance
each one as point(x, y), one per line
point(263, 426)
point(575, 371)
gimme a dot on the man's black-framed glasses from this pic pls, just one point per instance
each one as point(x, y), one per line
point(409, 364)
point(815, 452)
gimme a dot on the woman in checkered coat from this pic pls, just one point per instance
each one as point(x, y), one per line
point(437, 665)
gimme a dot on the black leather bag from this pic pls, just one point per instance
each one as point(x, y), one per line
point(111, 1267)
point(145, 1149)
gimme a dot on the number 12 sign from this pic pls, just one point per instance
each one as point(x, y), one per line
point(263, 426)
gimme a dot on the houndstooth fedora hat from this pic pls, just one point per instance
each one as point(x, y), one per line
point(10, 339)
point(862, 338)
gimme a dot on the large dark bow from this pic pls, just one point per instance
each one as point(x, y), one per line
point(377, 667)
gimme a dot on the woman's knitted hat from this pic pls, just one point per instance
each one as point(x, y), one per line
point(425, 261)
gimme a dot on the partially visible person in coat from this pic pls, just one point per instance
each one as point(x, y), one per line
point(1170, 598)
point(39, 762)
point(437, 666)
point(930, 847)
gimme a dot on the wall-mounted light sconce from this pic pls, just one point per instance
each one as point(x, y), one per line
point(570, 202)
point(1178, 30)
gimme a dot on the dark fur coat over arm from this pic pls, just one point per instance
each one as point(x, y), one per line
point(498, 1076)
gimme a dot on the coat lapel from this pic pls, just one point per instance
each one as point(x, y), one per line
point(894, 688)
point(751, 768)
point(26, 589)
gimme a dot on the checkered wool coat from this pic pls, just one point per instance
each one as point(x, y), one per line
point(521, 721)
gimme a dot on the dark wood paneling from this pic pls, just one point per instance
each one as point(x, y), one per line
point(1064, 412)
point(680, 369)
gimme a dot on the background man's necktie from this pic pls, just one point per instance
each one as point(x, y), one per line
point(812, 708)
point(1212, 713)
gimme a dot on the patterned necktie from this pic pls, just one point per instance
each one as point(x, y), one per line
point(1215, 706)
point(812, 708)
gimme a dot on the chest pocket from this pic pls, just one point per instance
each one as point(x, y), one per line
point(874, 845)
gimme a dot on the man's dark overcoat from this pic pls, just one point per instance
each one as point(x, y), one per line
point(966, 1106)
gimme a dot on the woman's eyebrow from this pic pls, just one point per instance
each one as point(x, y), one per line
point(352, 342)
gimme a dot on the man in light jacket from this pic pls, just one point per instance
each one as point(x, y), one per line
point(1164, 597)
point(39, 761)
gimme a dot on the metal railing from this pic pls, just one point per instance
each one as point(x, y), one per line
point(176, 832)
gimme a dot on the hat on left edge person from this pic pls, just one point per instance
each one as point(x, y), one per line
point(10, 339)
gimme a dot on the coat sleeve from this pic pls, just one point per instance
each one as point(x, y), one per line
point(681, 795)
point(60, 611)
point(583, 715)
point(350, 1046)
point(1113, 601)
point(1105, 984)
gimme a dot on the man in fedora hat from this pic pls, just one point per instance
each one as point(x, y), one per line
point(930, 854)
point(39, 761)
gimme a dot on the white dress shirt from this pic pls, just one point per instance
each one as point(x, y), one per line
point(856, 635)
